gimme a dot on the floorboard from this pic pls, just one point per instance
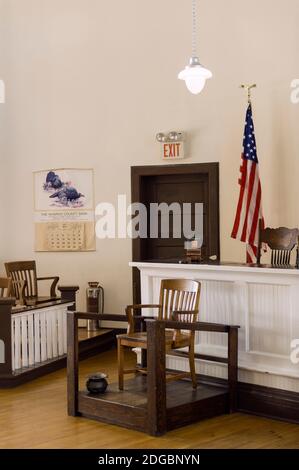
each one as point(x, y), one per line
point(34, 416)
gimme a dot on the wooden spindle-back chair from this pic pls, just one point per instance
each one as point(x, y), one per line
point(5, 287)
point(179, 300)
point(281, 241)
point(25, 282)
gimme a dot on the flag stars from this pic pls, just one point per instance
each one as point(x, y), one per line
point(249, 144)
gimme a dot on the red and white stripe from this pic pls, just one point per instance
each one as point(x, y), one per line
point(249, 209)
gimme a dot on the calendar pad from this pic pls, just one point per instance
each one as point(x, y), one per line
point(65, 236)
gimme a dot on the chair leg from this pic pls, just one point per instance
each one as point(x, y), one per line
point(192, 365)
point(120, 362)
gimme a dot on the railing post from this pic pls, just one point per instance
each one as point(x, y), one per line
point(233, 368)
point(6, 340)
point(69, 293)
point(156, 380)
point(143, 352)
point(72, 364)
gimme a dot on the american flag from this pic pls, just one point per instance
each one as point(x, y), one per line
point(249, 209)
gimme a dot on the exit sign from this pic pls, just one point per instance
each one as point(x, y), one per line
point(172, 150)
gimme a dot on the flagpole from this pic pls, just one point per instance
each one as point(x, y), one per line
point(248, 88)
point(249, 207)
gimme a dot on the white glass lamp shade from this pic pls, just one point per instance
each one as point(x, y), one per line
point(195, 76)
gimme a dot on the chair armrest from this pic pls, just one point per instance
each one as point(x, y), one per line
point(131, 315)
point(46, 278)
point(53, 285)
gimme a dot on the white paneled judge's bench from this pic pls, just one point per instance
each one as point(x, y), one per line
point(263, 301)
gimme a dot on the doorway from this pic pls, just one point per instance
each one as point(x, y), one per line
point(188, 183)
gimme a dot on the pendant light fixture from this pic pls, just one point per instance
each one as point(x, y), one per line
point(194, 74)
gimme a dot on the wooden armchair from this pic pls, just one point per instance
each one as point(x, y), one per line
point(8, 287)
point(179, 301)
point(25, 282)
point(281, 241)
point(5, 287)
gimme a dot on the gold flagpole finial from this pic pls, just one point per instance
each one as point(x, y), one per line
point(248, 88)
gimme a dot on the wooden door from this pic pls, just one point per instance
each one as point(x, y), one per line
point(177, 189)
point(191, 183)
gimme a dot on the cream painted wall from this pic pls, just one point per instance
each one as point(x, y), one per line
point(90, 82)
point(3, 146)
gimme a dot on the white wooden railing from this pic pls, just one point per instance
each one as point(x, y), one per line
point(38, 336)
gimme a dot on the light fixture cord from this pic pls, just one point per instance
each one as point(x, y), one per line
point(194, 27)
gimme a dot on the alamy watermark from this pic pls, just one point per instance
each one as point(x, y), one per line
point(2, 352)
point(295, 351)
point(295, 91)
point(161, 220)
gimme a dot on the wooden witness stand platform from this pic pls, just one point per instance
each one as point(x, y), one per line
point(148, 404)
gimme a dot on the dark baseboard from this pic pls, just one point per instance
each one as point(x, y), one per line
point(268, 402)
point(87, 348)
point(263, 401)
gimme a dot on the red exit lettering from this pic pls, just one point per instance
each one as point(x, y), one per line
point(172, 150)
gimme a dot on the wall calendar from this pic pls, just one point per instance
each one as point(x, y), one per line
point(64, 210)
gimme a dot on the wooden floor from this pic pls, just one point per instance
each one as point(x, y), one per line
point(34, 416)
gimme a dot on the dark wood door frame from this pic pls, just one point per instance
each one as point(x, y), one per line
point(211, 170)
